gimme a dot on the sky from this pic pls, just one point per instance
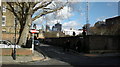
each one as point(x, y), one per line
point(74, 14)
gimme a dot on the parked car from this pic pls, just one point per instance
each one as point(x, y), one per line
point(7, 44)
point(29, 43)
point(36, 42)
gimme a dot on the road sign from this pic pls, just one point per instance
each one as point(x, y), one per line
point(34, 31)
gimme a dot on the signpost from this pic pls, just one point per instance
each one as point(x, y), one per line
point(33, 31)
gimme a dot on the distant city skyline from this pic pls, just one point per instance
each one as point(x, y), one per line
point(74, 14)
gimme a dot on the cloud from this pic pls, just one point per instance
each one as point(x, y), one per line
point(37, 12)
point(58, 16)
point(65, 13)
point(55, 17)
point(82, 14)
point(109, 4)
point(38, 21)
point(54, 22)
point(101, 18)
point(71, 24)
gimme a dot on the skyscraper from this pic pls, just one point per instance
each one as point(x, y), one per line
point(57, 27)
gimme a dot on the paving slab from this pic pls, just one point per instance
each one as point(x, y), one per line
point(22, 59)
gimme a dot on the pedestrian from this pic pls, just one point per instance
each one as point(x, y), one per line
point(66, 46)
point(79, 46)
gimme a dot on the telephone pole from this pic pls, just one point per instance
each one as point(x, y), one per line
point(87, 17)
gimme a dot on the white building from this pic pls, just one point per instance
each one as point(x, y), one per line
point(70, 32)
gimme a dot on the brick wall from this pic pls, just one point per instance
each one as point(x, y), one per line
point(89, 43)
point(9, 37)
point(20, 51)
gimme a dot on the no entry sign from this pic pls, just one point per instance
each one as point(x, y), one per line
point(34, 31)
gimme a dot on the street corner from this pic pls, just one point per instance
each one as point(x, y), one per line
point(37, 58)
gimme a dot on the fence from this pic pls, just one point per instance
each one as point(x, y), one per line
point(104, 43)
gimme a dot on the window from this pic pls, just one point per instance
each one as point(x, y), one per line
point(3, 20)
point(4, 8)
point(3, 31)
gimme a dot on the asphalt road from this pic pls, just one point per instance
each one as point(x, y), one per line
point(56, 57)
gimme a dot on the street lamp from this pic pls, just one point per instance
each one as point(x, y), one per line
point(14, 49)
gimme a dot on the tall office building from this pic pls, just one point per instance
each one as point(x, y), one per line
point(57, 27)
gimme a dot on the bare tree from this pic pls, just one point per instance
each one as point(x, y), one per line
point(25, 12)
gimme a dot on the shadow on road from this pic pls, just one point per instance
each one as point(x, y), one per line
point(74, 58)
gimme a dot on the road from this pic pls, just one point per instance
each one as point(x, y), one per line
point(56, 56)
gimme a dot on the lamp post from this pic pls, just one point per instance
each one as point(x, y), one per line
point(87, 18)
point(14, 49)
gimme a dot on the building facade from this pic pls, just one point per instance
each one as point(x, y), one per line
point(72, 32)
point(8, 24)
point(110, 26)
point(8, 20)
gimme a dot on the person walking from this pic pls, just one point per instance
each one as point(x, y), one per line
point(79, 46)
point(66, 46)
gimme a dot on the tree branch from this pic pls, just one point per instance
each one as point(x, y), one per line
point(47, 12)
point(11, 9)
point(41, 6)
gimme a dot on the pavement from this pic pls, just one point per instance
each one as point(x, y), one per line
point(97, 54)
point(22, 59)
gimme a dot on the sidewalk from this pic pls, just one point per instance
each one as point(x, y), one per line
point(97, 55)
point(22, 59)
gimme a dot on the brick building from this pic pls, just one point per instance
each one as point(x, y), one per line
point(110, 26)
point(8, 20)
point(112, 21)
point(8, 24)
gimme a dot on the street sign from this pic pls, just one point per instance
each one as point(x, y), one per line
point(34, 31)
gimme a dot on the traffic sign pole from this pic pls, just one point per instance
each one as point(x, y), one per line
point(33, 31)
point(32, 42)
